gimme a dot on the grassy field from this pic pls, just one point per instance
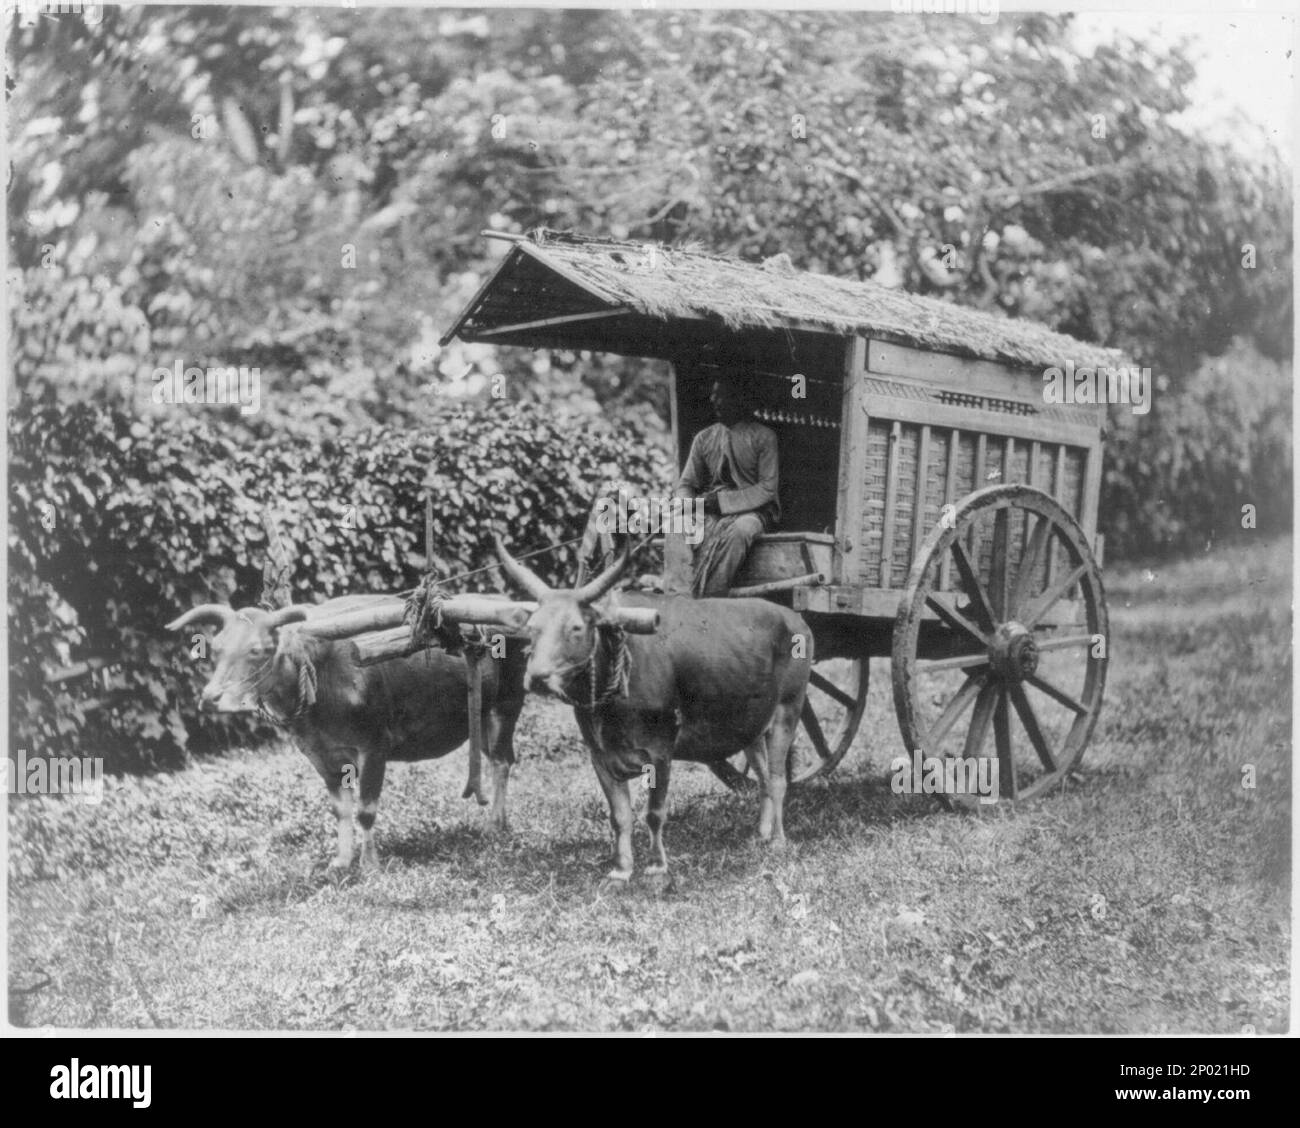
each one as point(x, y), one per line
point(1152, 894)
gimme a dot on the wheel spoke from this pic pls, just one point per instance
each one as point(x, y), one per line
point(830, 725)
point(979, 722)
point(1029, 564)
point(955, 620)
point(1045, 602)
point(814, 729)
point(970, 583)
point(1058, 694)
point(1063, 642)
point(1033, 730)
point(1007, 784)
point(998, 573)
point(961, 662)
point(1013, 560)
point(829, 688)
point(955, 708)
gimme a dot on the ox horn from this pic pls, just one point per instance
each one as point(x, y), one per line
point(524, 576)
point(203, 613)
point(286, 615)
point(592, 591)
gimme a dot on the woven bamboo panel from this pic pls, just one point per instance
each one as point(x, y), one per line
point(1020, 525)
point(1020, 463)
point(1045, 471)
point(963, 457)
point(904, 505)
point(1071, 497)
point(873, 506)
point(935, 478)
point(965, 466)
point(993, 445)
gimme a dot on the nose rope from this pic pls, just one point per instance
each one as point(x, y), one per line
point(252, 681)
point(307, 683)
point(489, 567)
point(306, 696)
point(406, 593)
point(616, 683)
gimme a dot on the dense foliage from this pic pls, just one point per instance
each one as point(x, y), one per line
point(302, 190)
point(120, 520)
point(1210, 463)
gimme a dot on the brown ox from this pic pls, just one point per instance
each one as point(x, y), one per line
point(349, 720)
point(721, 675)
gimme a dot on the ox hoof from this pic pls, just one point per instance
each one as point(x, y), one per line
point(656, 869)
point(369, 860)
point(617, 879)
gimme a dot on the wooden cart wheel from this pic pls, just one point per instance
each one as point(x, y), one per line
point(832, 711)
point(1002, 625)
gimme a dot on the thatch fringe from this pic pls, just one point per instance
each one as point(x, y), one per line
point(667, 282)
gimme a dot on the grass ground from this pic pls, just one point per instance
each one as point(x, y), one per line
point(1150, 894)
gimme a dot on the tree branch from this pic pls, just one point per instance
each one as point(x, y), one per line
point(1053, 183)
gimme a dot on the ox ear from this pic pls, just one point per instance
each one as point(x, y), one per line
point(592, 591)
point(286, 615)
point(204, 613)
point(524, 576)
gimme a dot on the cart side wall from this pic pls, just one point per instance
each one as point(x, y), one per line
point(923, 430)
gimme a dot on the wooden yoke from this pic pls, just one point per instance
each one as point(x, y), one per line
point(380, 633)
point(390, 637)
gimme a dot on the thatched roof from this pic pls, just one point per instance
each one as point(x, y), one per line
point(553, 287)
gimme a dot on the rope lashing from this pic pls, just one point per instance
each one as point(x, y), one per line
point(617, 675)
point(293, 646)
point(622, 672)
point(424, 616)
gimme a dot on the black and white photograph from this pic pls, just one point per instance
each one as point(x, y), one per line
point(650, 521)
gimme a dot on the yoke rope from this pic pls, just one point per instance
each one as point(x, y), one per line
point(293, 647)
point(617, 678)
point(424, 615)
point(408, 592)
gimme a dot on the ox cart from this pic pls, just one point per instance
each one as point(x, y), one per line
point(937, 510)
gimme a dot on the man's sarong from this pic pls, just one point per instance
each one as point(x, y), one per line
point(722, 551)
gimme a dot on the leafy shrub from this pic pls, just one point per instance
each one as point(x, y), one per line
point(119, 521)
point(1177, 478)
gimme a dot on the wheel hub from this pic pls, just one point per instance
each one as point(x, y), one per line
point(1013, 654)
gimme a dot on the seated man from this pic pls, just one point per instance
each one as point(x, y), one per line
point(733, 466)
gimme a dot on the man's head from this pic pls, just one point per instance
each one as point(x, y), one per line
point(728, 397)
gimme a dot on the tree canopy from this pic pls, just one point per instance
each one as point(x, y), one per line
point(306, 186)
